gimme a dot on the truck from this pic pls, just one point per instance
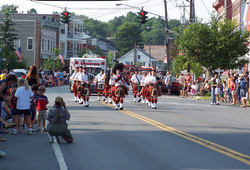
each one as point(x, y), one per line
point(94, 63)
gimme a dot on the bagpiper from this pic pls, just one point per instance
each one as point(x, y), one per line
point(107, 87)
point(153, 90)
point(147, 96)
point(143, 90)
point(136, 82)
point(78, 84)
point(85, 87)
point(99, 85)
point(121, 87)
point(73, 87)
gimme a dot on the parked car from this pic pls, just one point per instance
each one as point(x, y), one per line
point(174, 88)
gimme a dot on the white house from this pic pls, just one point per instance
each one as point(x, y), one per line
point(141, 57)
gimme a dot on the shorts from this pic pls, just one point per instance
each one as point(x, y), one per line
point(243, 93)
point(181, 87)
point(60, 79)
point(167, 87)
point(217, 90)
point(26, 112)
point(222, 95)
point(60, 129)
point(233, 92)
point(13, 112)
point(41, 114)
point(32, 114)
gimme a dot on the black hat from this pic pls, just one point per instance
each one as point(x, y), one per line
point(136, 69)
point(80, 66)
point(116, 67)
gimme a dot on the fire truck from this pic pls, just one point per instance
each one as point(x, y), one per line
point(94, 63)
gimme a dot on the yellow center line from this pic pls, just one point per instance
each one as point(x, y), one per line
point(221, 149)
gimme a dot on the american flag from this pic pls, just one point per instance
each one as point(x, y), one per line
point(61, 58)
point(18, 53)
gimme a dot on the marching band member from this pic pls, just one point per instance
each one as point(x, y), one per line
point(146, 88)
point(112, 94)
point(107, 86)
point(121, 87)
point(73, 87)
point(136, 80)
point(143, 90)
point(85, 89)
point(78, 84)
point(99, 85)
point(153, 90)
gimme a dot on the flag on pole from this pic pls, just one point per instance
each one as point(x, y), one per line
point(61, 58)
point(18, 53)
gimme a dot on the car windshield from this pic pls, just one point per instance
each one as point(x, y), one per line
point(93, 70)
point(19, 74)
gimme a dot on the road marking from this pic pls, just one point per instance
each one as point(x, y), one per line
point(59, 155)
point(221, 149)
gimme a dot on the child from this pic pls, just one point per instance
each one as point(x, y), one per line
point(23, 95)
point(34, 89)
point(13, 101)
point(41, 101)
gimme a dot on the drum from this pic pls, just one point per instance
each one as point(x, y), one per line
point(119, 91)
point(100, 86)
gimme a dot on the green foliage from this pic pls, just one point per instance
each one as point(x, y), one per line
point(48, 64)
point(213, 46)
point(9, 8)
point(32, 11)
point(95, 27)
point(125, 36)
point(54, 63)
point(85, 51)
point(163, 66)
point(109, 60)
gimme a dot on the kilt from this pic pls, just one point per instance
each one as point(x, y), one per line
point(74, 88)
point(107, 89)
point(150, 89)
point(143, 91)
point(123, 91)
point(98, 90)
point(135, 89)
point(77, 86)
point(82, 89)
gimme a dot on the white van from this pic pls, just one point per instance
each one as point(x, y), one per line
point(19, 72)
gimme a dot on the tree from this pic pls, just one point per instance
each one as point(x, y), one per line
point(9, 8)
point(54, 63)
point(125, 36)
point(215, 45)
point(81, 53)
point(7, 39)
point(109, 60)
point(32, 11)
point(55, 12)
point(97, 50)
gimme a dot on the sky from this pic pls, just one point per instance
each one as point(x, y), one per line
point(107, 10)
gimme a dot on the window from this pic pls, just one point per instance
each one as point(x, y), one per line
point(139, 57)
point(42, 43)
point(48, 45)
point(143, 63)
point(30, 43)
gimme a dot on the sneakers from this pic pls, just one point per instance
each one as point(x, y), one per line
point(22, 127)
point(44, 130)
point(2, 139)
point(32, 129)
point(58, 139)
point(30, 132)
point(14, 132)
point(139, 100)
point(51, 139)
point(9, 125)
point(2, 154)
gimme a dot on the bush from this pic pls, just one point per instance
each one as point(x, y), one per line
point(207, 94)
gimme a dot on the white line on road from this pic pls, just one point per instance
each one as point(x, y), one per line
point(59, 155)
point(190, 104)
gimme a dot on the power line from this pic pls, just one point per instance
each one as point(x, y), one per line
point(205, 6)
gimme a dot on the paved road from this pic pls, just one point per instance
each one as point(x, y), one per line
point(179, 134)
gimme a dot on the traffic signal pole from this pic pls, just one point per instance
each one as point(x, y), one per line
point(166, 35)
point(190, 22)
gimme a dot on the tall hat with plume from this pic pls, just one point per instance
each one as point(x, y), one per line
point(118, 66)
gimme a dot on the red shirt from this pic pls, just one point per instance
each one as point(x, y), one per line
point(13, 101)
point(41, 102)
point(232, 86)
point(189, 79)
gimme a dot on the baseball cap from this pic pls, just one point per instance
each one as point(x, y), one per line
point(59, 100)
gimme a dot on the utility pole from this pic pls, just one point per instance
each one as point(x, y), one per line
point(134, 53)
point(149, 55)
point(190, 22)
point(166, 35)
point(183, 19)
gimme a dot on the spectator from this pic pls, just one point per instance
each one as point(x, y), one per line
point(41, 101)
point(243, 89)
point(229, 94)
point(2, 76)
point(192, 91)
point(217, 89)
point(34, 89)
point(225, 91)
point(189, 79)
point(23, 76)
point(32, 76)
point(12, 72)
point(23, 95)
point(205, 88)
point(213, 86)
point(13, 107)
point(233, 91)
point(168, 82)
point(61, 79)
point(57, 121)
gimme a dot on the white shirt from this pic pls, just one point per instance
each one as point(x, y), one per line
point(73, 76)
point(84, 77)
point(143, 81)
point(111, 80)
point(134, 79)
point(99, 77)
point(78, 76)
point(55, 74)
point(23, 98)
point(152, 79)
point(120, 82)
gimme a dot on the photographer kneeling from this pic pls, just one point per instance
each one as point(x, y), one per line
point(57, 122)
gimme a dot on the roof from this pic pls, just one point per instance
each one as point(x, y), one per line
point(158, 51)
point(139, 49)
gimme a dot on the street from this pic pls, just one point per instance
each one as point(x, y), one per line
point(180, 134)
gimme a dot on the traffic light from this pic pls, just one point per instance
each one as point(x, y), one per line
point(142, 16)
point(65, 17)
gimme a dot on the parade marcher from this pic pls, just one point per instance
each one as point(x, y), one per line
point(107, 88)
point(136, 82)
point(121, 87)
point(112, 88)
point(153, 89)
point(143, 90)
point(74, 86)
point(78, 84)
point(99, 85)
point(85, 87)
point(146, 88)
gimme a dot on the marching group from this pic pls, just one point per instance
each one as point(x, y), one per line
point(29, 101)
point(114, 88)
